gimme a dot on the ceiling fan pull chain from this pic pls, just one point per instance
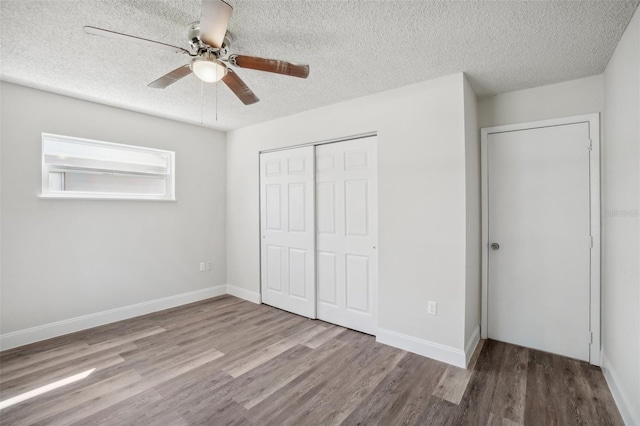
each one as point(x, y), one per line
point(201, 102)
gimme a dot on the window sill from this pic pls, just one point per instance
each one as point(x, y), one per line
point(102, 198)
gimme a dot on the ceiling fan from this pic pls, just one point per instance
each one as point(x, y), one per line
point(209, 43)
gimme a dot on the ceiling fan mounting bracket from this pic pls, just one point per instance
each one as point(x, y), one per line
point(200, 48)
point(193, 35)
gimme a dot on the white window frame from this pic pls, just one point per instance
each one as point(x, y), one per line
point(46, 169)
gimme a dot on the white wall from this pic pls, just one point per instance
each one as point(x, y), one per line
point(576, 97)
point(421, 172)
point(473, 236)
point(67, 258)
point(621, 230)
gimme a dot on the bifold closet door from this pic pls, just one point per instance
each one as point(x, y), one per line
point(288, 232)
point(346, 238)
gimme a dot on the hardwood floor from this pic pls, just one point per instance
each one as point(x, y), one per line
point(225, 361)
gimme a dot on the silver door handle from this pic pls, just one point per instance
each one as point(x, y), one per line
point(495, 246)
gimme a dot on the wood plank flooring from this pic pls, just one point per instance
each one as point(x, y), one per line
point(225, 361)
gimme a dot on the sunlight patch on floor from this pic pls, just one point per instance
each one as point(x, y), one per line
point(44, 389)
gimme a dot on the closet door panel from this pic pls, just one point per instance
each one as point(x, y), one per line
point(287, 230)
point(346, 209)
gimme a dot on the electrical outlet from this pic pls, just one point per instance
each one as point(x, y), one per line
point(432, 308)
point(209, 266)
point(202, 267)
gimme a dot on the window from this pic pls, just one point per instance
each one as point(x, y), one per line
point(82, 168)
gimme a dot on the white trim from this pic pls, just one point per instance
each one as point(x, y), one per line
point(422, 347)
point(136, 148)
point(594, 134)
point(93, 197)
point(594, 184)
point(71, 325)
point(621, 399)
point(471, 345)
point(324, 142)
point(484, 234)
point(243, 293)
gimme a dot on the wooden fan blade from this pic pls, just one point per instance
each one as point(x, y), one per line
point(134, 39)
point(270, 65)
point(214, 21)
point(171, 77)
point(240, 89)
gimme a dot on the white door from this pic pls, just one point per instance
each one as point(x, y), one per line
point(539, 234)
point(287, 228)
point(347, 222)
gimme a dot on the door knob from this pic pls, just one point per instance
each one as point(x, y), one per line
point(495, 246)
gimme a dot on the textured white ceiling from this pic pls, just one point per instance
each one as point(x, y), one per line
point(354, 48)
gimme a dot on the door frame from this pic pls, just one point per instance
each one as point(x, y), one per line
point(593, 121)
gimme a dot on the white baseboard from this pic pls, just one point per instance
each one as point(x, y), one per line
point(422, 347)
point(619, 396)
point(243, 293)
point(71, 325)
point(471, 345)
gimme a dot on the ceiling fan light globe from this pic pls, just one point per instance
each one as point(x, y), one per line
point(208, 70)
